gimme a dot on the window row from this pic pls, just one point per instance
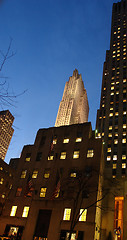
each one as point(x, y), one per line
point(63, 155)
point(24, 213)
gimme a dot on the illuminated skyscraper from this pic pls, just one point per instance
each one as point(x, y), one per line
point(74, 106)
point(112, 121)
point(6, 132)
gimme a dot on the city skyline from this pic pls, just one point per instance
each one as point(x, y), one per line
point(60, 37)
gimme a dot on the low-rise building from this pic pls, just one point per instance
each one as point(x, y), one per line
point(58, 187)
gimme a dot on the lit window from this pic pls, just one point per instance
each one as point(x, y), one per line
point(47, 173)
point(110, 127)
point(112, 93)
point(73, 174)
point(124, 140)
point(114, 165)
point(76, 154)
point(67, 214)
point(18, 192)
point(13, 211)
point(115, 157)
point(28, 155)
point(109, 150)
point(1, 181)
point(108, 158)
point(124, 125)
point(116, 114)
point(123, 165)
point(23, 174)
point(90, 153)
point(79, 139)
point(54, 141)
point(43, 192)
point(111, 114)
point(112, 88)
point(1, 168)
point(66, 140)
point(35, 173)
point(63, 155)
point(116, 141)
point(83, 213)
point(124, 113)
point(110, 135)
point(25, 212)
point(118, 217)
point(50, 157)
point(123, 157)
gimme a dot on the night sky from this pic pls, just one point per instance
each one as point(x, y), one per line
point(51, 38)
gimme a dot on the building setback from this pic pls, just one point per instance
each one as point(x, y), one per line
point(74, 106)
point(57, 179)
point(6, 132)
point(111, 123)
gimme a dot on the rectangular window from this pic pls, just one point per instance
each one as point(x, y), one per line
point(83, 213)
point(43, 192)
point(35, 173)
point(25, 212)
point(50, 158)
point(76, 154)
point(28, 156)
point(47, 173)
point(63, 155)
point(78, 139)
point(90, 153)
point(118, 219)
point(18, 192)
point(54, 141)
point(108, 158)
point(66, 140)
point(123, 165)
point(39, 156)
point(73, 174)
point(67, 214)
point(13, 211)
point(23, 174)
point(1, 181)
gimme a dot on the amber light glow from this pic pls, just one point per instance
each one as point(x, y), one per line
point(118, 219)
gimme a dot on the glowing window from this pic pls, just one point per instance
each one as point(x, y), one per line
point(1, 168)
point(73, 174)
point(112, 93)
point(123, 157)
point(18, 192)
point(25, 212)
point(76, 154)
point(111, 114)
point(47, 173)
point(90, 153)
point(108, 158)
point(43, 192)
point(13, 211)
point(63, 155)
point(79, 139)
point(83, 213)
point(123, 165)
point(35, 173)
point(110, 135)
point(50, 157)
point(118, 218)
point(54, 141)
point(66, 140)
point(114, 165)
point(110, 127)
point(124, 140)
point(124, 113)
point(67, 214)
point(116, 141)
point(109, 150)
point(115, 157)
point(124, 125)
point(112, 88)
point(28, 156)
point(116, 114)
point(23, 174)
point(1, 181)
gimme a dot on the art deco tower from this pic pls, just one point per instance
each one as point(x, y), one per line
point(6, 132)
point(111, 123)
point(74, 106)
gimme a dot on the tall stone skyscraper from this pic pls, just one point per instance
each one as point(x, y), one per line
point(111, 123)
point(6, 132)
point(74, 106)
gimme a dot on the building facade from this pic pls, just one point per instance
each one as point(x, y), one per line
point(6, 132)
point(111, 123)
point(74, 106)
point(58, 187)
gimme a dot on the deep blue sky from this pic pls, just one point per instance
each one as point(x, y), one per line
point(51, 38)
